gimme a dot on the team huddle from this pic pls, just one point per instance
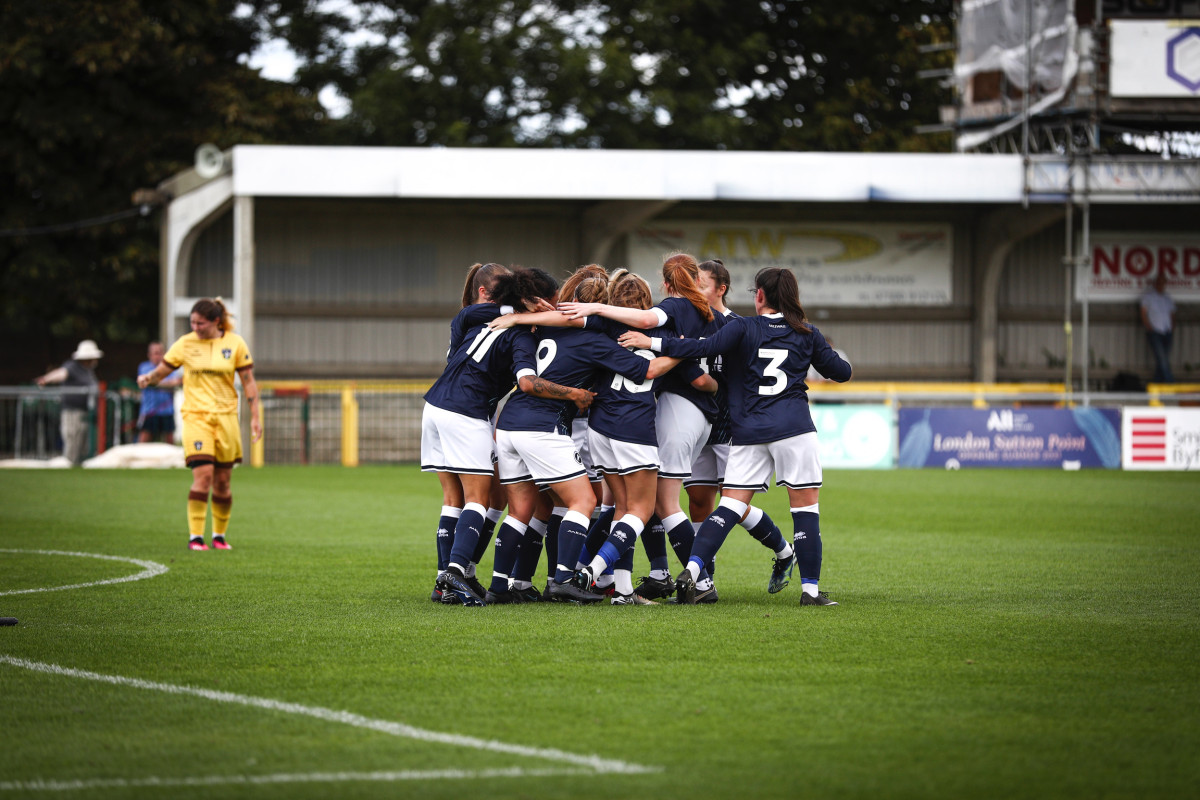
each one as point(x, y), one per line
point(618, 405)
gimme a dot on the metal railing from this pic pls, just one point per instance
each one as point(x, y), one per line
point(30, 417)
point(379, 422)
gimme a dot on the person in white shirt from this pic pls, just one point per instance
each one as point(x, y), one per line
point(1158, 318)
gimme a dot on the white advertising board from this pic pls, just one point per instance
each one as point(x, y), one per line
point(836, 264)
point(1160, 438)
point(1124, 265)
point(1155, 58)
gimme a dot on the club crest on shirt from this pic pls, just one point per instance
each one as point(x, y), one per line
point(198, 445)
point(227, 352)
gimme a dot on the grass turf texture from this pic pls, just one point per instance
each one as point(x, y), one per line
point(1001, 634)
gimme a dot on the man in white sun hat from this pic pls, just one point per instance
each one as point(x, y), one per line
point(78, 370)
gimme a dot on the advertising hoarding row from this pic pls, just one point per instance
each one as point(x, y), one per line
point(1133, 438)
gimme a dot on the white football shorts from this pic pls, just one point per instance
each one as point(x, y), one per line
point(709, 467)
point(545, 458)
point(795, 461)
point(579, 435)
point(682, 431)
point(615, 457)
point(453, 442)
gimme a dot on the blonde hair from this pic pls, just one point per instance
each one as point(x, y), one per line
point(629, 290)
point(588, 284)
point(679, 273)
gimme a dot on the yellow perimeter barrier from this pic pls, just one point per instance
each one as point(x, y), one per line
point(893, 393)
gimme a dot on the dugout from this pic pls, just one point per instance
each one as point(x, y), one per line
point(348, 262)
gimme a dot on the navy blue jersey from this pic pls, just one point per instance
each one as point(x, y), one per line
point(471, 317)
point(687, 322)
point(624, 409)
point(722, 426)
point(765, 364)
point(483, 368)
point(569, 357)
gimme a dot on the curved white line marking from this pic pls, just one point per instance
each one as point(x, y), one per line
point(314, 777)
point(150, 569)
point(594, 763)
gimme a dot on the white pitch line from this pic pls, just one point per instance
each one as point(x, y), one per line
point(314, 777)
point(151, 568)
point(592, 762)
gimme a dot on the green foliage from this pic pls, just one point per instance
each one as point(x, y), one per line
point(718, 74)
point(101, 98)
point(1001, 634)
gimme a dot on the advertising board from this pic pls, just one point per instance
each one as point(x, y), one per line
point(854, 436)
point(1160, 438)
point(955, 438)
point(836, 264)
point(1125, 265)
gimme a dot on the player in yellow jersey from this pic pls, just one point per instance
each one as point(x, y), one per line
point(210, 356)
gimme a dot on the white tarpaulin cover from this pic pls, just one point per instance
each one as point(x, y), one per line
point(1016, 37)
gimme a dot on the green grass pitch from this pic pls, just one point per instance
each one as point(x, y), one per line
point(1008, 634)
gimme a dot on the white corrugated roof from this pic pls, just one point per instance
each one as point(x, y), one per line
point(479, 173)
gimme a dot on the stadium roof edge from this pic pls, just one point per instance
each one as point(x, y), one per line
point(569, 174)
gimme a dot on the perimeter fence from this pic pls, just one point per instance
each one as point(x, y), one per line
point(379, 422)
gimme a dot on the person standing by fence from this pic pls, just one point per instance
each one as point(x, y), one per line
point(79, 371)
point(1158, 318)
point(156, 420)
point(211, 355)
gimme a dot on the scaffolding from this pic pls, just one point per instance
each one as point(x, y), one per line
point(1034, 77)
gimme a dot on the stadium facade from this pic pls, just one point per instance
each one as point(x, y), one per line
point(348, 262)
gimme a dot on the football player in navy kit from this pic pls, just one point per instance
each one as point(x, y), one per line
point(456, 433)
point(476, 292)
point(708, 470)
point(767, 358)
point(684, 415)
point(533, 441)
point(625, 445)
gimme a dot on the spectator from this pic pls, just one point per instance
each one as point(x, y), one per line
point(79, 370)
point(156, 420)
point(1158, 318)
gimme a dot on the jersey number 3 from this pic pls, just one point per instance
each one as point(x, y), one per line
point(775, 357)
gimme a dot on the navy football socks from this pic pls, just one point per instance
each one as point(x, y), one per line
point(504, 557)
point(445, 534)
point(466, 535)
point(571, 533)
point(530, 552)
point(807, 541)
point(654, 542)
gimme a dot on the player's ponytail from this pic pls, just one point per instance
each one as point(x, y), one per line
point(588, 284)
point(629, 290)
point(522, 288)
point(679, 273)
point(214, 310)
point(480, 276)
point(782, 293)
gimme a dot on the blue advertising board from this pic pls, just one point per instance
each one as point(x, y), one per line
point(1067, 438)
point(854, 436)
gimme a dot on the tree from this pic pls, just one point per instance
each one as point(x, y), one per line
point(700, 74)
point(100, 98)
